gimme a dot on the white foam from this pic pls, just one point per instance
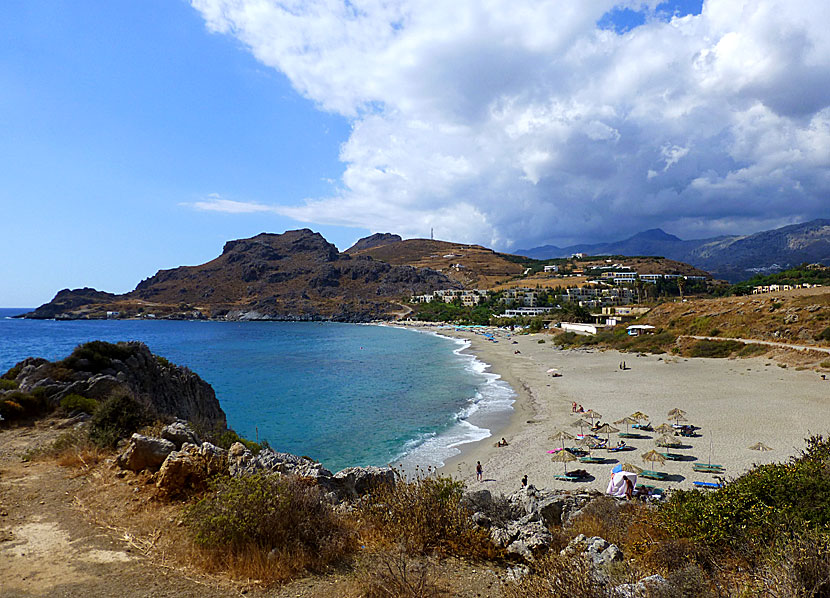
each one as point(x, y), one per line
point(493, 400)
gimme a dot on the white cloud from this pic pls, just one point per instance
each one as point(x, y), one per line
point(517, 122)
point(216, 203)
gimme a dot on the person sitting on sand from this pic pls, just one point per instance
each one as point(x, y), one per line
point(580, 410)
point(524, 481)
point(621, 444)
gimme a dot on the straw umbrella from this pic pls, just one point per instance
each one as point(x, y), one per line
point(587, 442)
point(563, 457)
point(639, 416)
point(606, 429)
point(760, 446)
point(667, 440)
point(677, 414)
point(664, 429)
point(627, 421)
point(653, 457)
point(581, 423)
point(630, 468)
point(592, 415)
point(561, 435)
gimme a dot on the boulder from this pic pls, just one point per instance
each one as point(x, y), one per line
point(144, 452)
point(189, 469)
point(646, 587)
point(599, 550)
point(180, 432)
point(354, 482)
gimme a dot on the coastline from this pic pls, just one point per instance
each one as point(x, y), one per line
point(734, 402)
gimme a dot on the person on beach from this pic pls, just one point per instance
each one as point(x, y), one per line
point(629, 488)
point(573, 407)
point(479, 471)
point(524, 481)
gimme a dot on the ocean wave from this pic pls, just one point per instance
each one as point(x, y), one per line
point(492, 402)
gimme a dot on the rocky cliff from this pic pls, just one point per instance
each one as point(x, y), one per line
point(297, 275)
point(97, 370)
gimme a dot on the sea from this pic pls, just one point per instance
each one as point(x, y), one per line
point(343, 394)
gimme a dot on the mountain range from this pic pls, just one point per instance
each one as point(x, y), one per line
point(733, 258)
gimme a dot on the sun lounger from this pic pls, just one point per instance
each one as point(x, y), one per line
point(643, 427)
point(653, 475)
point(628, 435)
point(617, 449)
point(672, 456)
point(708, 484)
point(567, 477)
point(591, 460)
point(708, 466)
point(649, 489)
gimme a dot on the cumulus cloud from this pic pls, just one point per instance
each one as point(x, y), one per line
point(512, 123)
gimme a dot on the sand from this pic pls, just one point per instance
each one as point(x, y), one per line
point(735, 403)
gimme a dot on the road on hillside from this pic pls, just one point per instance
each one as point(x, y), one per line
point(758, 342)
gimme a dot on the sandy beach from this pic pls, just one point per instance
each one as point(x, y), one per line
point(735, 403)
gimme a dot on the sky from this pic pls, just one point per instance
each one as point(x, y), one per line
point(136, 136)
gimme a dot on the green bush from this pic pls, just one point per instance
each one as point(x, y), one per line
point(7, 384)
point(18, 405)
point(714, 348)
point(282, 514)
point(74, 402)
point(759, 506)
point(96, 356)
point(752, 349)
point(824, 335)
point(116, 418)
point(541, 341)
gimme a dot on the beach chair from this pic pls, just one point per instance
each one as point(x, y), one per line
point(617, 449)
point(649, 490)
point(708, 468)
point(591, 459)
point(643, 427)
point(628, 435)
point(566, 477)
point(653, 475)
point(708, 484)
point(672, 456)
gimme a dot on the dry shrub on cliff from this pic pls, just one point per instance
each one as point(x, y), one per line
point(423, 515)
point(393, 574)
point(269, 527)
point(556, 576)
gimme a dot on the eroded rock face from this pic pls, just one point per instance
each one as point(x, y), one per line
point(179, 433)
point(600, 551)
point(190, 468)
point(144, 452)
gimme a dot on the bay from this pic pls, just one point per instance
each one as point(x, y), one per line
point(343, 394)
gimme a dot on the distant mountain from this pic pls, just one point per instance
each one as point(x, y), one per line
point(732, 258)
point(297, 275)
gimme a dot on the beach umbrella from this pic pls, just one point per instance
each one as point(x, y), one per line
point(588, 442)
point(581, 423)
point(677, 414)
point(629, 467)
point(665, 429)
point(639, 416)
point(606, 429)
point(563, 457)
point(667, 440)
point(627, 421)
point(679, 418)
point(653, 457)
point(592, 415)
point(561, 435)
point(760, 446)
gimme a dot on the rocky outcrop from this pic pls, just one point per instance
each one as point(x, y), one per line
point(144, 452)
point(297, 275)
point(97, 370)
point(180, 432)
point(190, 468)
point(598, 550)
point(375, 240)
point(354, 482)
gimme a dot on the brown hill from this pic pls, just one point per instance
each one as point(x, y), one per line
point(297, 275)
point(470, 265)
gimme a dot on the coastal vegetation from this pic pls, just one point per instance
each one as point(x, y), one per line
point(802, 274)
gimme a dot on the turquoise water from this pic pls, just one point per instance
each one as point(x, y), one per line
point(343, 394)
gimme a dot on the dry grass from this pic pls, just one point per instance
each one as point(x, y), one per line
point(394, 574)
point(556, 576)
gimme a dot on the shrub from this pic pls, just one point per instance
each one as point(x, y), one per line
point(95, 356)
point(116, 418)
point(758, 506)
point(8, 384)
point(18, 405)
point(395, 575)
point(714, 348)
point(284, 519)
point(556, 576)
point(825, 364)
point(541, 341)
point(824, 335)
point(752, 349)
point(714, 332)
point(74, 402)
point(799, 567)
point(425, 514)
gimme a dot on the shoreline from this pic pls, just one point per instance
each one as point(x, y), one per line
point(734, 403)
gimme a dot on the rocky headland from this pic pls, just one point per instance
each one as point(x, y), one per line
point(297, 275)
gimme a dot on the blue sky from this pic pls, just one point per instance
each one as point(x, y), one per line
point(143, 135)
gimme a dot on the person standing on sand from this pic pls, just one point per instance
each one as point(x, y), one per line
point(524, 481)
point(629, 488)
point(479, 471)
